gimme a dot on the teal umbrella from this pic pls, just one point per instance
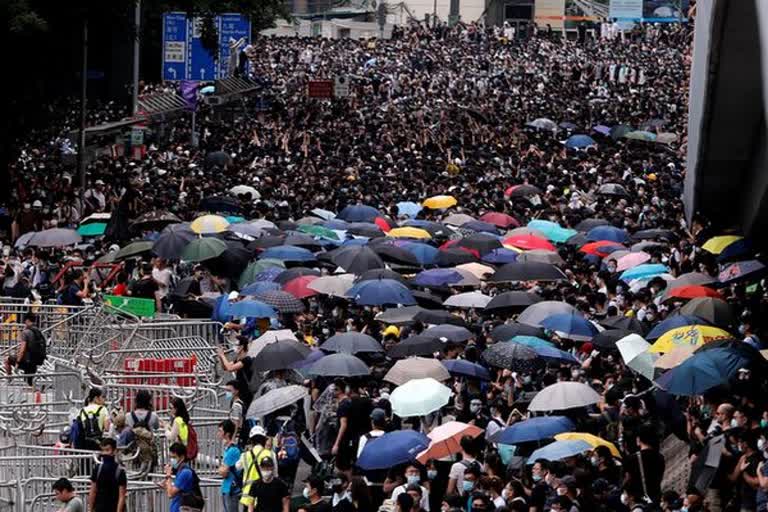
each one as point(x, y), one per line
point(133, 249)
point(256, 267)
point(641, 135)
point(531, 341)
point(201, 249)
point(92, 229)
point(234, 219)
point(553, 231)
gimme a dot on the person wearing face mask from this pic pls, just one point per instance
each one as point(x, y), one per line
point(644, 470)
point(269, 493)
point(632, 499)
point(568, 487)
point(604, 466)
point(468, 460)
point(744, 475)
point(342, 497)
point(470, 484)
point(242, 368)
point(413, 477)
point(109, 482)
point(230, 488)
point(181, 483)
point(236, 410)
point(542, 492)
point(313, 493)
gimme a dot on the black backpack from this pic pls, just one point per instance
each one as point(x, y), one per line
point(193, 500)
point(36, 350)
point(89, 429)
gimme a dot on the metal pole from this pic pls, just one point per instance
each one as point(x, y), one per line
point(194, 138)
point(434, 14)
point(137, 27)
point(83, 112)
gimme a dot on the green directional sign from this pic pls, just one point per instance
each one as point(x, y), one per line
point(144, 308)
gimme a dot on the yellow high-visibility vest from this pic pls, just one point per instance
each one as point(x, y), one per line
point(251, 472)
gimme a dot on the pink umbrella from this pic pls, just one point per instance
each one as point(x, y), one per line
point(445, 440)
point(631, 260)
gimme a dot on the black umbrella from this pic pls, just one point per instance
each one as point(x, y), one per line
point(389, 252)
point(365, 229)
point(427, 300)
point(220, 204)
point(480, 242)
point(218, 158)
point(613, 189)
point(266, 242)
point(415, 346)
point(438, 316)
point(505, 332)
point(282, 301)
point(577, 240)
point(655, 234)
point(626, 323)
point(351, 343)
point(435, 229)
point(381, 273)
point(450, 332)
point(452, 257)
point(154, 220)
point(609, 337)
point(302, 240)
point(512, 356)
point(280, 355)
point(529, 271)
point(524, 191)
point(357, 259)
point(172, 240)
point(510, 300)
point(292, 273)
point(587, 224)
point(287, 225)
point(399, 316)
point(231, 262)
point(339, 365)
point(715, 311)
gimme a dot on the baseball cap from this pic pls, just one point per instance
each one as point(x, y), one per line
point(267, 462)
point(378, 414)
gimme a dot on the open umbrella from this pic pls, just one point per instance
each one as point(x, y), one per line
point(133, 249)
point(410, 232)
point(718, 244)
point(535, 313)
point(334, 286)
point(392, 449)
point(531, 271)
point(458, 219)
point(501, 256)
point(477, 270)
point(55, 237)
point(580, 142)
point(437, 277)
point(202, 249)
point(540, 256)
point(282, 301)
point(438, 316)
point(631, 260)
point(592, 439)
point(288, 253)
point(609, 337)
point(702, 372)
point(439, 202)
point(275, 400)
point(468, 300)
point(288, 275)
point(408, 209)
point(511, 300)
point(560, 450)
point(741, 270)
point(549, 353)
point(689, 335)
point(396, 254)
point(351, 343)
point(528, 242)
point(358, 213)
point(209, 224)
point(154, 220)
point(416, 368)
point(357, 260)
point(531, 341)
point(534, 429)
point(543, 123)
point(613, 189)
point(419, 397)
point(570, 325)
point(399, 316)
point(674, 357)
point(454, 333)
point(715, 311)
point(498, 219)
point(644, 271)
point(250, 308)
point(618, 131)
point(626, 323)
point(260, 286)
point(415, 346)
point(673, 322)
point(691, 292)
point(634, 351)
point(510, 356)
point(564, 395)
point(92, 229)
point(299, 287)
point(587, 224)
point(425, 254)
point(339, 365)
point(608, 233)
point(380, 292)
point(445, 440)
point(280, 355)
point(467, 369)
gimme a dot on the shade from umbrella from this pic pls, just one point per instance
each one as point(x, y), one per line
point(453, 333)
point(416, 368)
point(564, 395)
point(592, 439)
point(275, 400)
point(445, 440)
point(570, 325)
point(534, 429)
point(718, 244)
point(250, 308)
point(392, 449)
point(438, 316)
point(282, 301)
point(674, 357)
point(415, 346)
point(299, 287)
point(209, 224)
point(380, 292)
point(467, 369)
point(202, 249)
point(358, 213)
point(702, 372)
point(689, 335)
point(288, 253)
point(280, 355)
point(333, 286)
point(715, 311)
point(339, 365)
point(419, 397)
point(351, 343)
point(560, 450)
point(511, 300)
point(532, 271)
point(535, 313)
point(467, 300)
point(55, 237)
point(634, 351)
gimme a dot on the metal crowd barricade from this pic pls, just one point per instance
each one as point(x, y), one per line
point(19, 462)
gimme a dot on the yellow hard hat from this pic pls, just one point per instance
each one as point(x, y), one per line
point(392, 330)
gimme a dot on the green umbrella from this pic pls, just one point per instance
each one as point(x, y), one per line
point(641, 135)
point(132, 249)
point(318, 231)
point(92, 229)
point(234, 219)
point(201, 249)
point(255, 267)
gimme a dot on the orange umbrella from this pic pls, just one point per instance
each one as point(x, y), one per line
point(445, 440)
point(600, 248)
point(693, 291)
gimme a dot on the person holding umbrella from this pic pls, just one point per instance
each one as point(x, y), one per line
point(241, 367)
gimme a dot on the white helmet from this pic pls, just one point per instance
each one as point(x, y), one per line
point(257, 430)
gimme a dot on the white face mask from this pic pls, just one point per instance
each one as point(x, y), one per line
point(562, 491)
point(266, 475)
point(734, 423)
point(624, 499)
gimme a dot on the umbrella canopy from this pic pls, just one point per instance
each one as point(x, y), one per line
point(634, 351)
point(674, 357)
point(439, 202)
point(703, 371)
point(591, 439)
point(564, 395)
point(209, 224)
point(631, 260)
point(541, 256)
point(339, 365)
point(408, 209)
point(282, 301)
point(601, 249)
point(358, 213)
point(644, 271)
point(741, 270)
point(543, 123)
point(410, 232)
point(299, 287)
point(55, 237)
point(498, 219)
point(438, 316)
point(254, 268)
point(580, 141)
point(154, 220)
point(133, 249)
point(380, 292)
point(437, 277)
point(612, 189)
point(691, 292)
point(531, 271)
point(351, 343)
point(692, 278)
point(467, 369)
point(641, 135)
point(536, 313)
point(288, 253)
point(416, 368)
point(673, 322)
point(250, 308)
point(445, 440)
point(531, 341)
point(381, 273)
point(588, 224)
point(534, 429)
point(689, 335)
point(454, 333)
point(415, 346)
point(608, 233)
point(396, 254)
point(478, 270)
point(92, 229)
point(458, 219)
point(501, 256)
point(357, 259)
point(560, 450)
point(392, 449)
point(424, 254)
point(718, 244)
point(280, 355)
point(260, 286)
point(510, 300)
point(334, 286)
point(715, 311)
point(570, 325)
point(626, 323)
point(468, 300)
point(275, 400)
point(549, 353)
point(399, 316)
point(511, 356)
point(202, 249)
point(609, 337)
point(419, 397)
point(528, 242)
point(506, 332)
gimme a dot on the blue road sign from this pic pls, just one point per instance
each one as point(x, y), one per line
point(184, 57)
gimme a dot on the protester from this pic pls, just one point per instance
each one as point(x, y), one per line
point(65, 493)
point(108, 481)
point(230, 485)
point(269, 493)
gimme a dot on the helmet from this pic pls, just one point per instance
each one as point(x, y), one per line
point(257, 430)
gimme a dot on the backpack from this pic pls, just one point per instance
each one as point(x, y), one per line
point(88, 430)
point(145, 442)
point(118, 471)
point(611, 432)
point(36, 349)
point(192, 447)
point(193, 500)
point(472, 464)
point(288, 443)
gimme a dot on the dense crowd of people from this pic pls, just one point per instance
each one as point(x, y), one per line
point(488, 120)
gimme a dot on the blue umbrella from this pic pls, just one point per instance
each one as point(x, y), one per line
point(260, 286)
point(354, 241)
point(381, 291)
point(570, 325)
point(553, 231)
point(337, 224)
point(560, 450)
point(556, 354)
point(425, 253)
point(531, 341)
point(480, 226)
point(610, 233)
point(408, 209)
point(741, 270)
point(737, 249)
point(268, 275)
point(534, 429)
point(579, 141)
point(437, 277)
point(358, 213)
point(673, 322)
point(703, 371)
point(467, 369)
point(288, 253)
point(602, 129)
point(644, 271)
point(251, 308)
point(567, 125)
point(391, 449)
point(500, 256)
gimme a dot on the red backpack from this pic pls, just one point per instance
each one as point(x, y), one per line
point(191, 443)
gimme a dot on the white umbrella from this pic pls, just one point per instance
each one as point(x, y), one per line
point(257, 345)
point(55, 237)
point(419, 397)
point(468, 278)
point(262, 224)
point(634, 350)
point(323, 214)
point(564, 395)
point(468, 300)
point(245, 189)
point(335, 286)
point(275, 400)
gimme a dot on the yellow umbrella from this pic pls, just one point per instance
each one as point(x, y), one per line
point(439, 202)
point(513, 248)
point(688, 335)
point(590, 439)
point(674, 357)
point(208, 224)
point(718, 244)
point(409, 232)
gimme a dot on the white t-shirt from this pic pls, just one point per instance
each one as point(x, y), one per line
point(457, 473)
point(364, 439)
point(424, 495)
point(493, 427)
point(163, 278)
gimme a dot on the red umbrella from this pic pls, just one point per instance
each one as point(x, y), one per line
point(529, 242)
point(599, 248)
point(299, 287)
point(693, 291)
point(448, 244)
point(382, 223)
point(499, 219)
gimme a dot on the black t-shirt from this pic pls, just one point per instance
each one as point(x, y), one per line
point(320, 506)
point(653, 467)
point(269, 495)
point(357, 410)
point(144, 288)
point(109, 477)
